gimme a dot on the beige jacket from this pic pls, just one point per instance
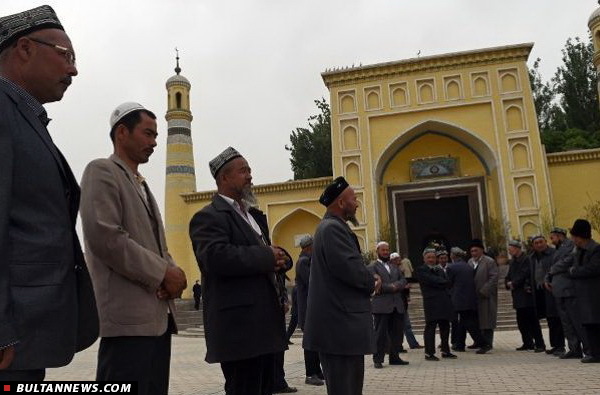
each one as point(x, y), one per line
point(125, 249)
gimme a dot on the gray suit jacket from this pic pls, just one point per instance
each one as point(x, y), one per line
point(126, 250)
point(46, 299)
point(338, 316)
point(387, 299)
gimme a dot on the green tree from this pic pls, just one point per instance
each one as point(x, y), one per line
point(544, 99)
point(576, 83)
point(310, 148)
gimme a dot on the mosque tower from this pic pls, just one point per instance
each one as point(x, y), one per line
point(594, 26)
point(180, 174)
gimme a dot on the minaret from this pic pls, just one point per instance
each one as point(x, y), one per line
point(594, 26)
point(180, 174)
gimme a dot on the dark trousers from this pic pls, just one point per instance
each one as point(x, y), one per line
point(312, 364)
point(145, 359)
point(23, 375)
point(569, 318)
point(467, 322)
point(408, 332)
point(197, 302)
point(529, 326)
point(278, 372)
point(455, 330)
point(429, 335)
point(344, 374)
point(592, 334)
point(388, 326)
point(252, 376)
point(488, 335)
point(555, 329)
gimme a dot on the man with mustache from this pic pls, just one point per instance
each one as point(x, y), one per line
point(47, 306)
point(242, 295)
point(134, 276)
point(339, 325)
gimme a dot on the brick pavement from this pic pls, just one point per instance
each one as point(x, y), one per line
point(502, 371)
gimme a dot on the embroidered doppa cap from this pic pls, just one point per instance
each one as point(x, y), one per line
point(220, 160)
point(17, 25)
point(476, 243)
point(394, 255)
point(305, 241)
point(333, 190)
point(515, 243)
point(441, 252)
point(582, 228)
point(122, 110)
point(535, 237)
point(428, 250)
point(457, 251)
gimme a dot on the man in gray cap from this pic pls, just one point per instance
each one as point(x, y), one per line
point(47, 306)
point(134, 276)
point(243, 301)
point(312, 364)
point(339, 325)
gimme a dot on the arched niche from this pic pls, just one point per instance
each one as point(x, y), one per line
point(525, 195)
point(373, 100)
point(347, 104)
point(530, 229)
point(353, 174)
point(453, 90)
point(514, 118)
point(399, 97)
point(508, 82)
point(426, 93)
point(480, 87)
point(520, 155)
point(350, 138)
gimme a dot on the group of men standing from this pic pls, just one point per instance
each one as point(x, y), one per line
point(561, 284)
point(50, 305)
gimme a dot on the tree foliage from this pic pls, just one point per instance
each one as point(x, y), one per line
point(567, 106)
point(310, 148)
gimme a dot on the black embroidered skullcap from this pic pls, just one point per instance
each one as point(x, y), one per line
point(582, 228)
point(220, 160)
point(333, 190)
point(515, 243)
point(556, 229)
point(476, 243)
point(441, 252)
point(15, 26)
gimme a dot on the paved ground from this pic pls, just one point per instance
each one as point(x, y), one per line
point(502, 371)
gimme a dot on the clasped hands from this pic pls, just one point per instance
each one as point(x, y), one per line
point(281, 258)
point(173, 283)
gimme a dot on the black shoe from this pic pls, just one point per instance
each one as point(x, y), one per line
point(558, 351)
point(290, 342)
point(378, 365)
point(525, 348)
point(417, 347)
point(403, 350)
point(590, 359)
point(458, 349)
point(286, 390)
point(313, 380)
point(398, 361)
point(571, 355)
point(484, 350)
point(539, 349)
point(473, 346)
point(448, 355)
point(431, 357)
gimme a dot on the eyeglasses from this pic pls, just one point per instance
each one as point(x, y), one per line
point(68, 54)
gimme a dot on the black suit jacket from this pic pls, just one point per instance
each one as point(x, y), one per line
point(519, 274)
point(436, 296)
point(586, 276)
point(462, 282)
point(338, 316)
point(387, 299)
point(243, 315)
point(46, 297)
point(302, 284)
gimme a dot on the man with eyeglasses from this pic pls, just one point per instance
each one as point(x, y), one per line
point(47, 306)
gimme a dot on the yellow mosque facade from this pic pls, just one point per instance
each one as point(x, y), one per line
point(436, 148)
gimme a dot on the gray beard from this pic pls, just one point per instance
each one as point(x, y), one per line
point(249, 199)
point(353, 220)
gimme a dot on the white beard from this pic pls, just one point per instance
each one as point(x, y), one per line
point(248, 198)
